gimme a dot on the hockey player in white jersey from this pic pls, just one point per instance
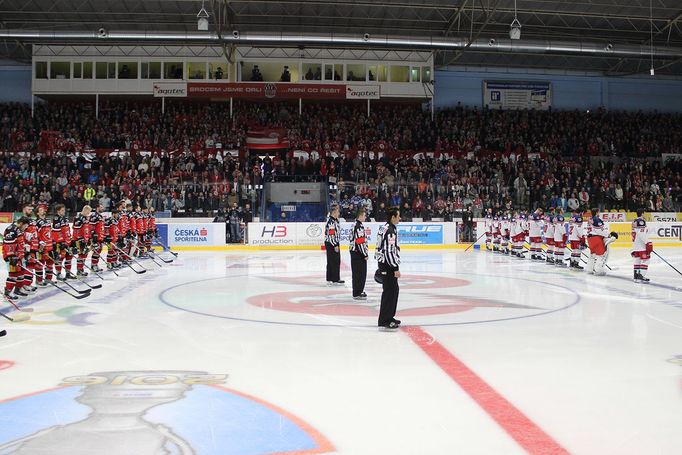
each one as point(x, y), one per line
point(497, 233)
point(521, 233)
point(576, 237)
point(535, 236)
point(513, 233)
point(504, 227)
point(641, 247)
point(488, 231)
point(560, 239)
point(549, 236)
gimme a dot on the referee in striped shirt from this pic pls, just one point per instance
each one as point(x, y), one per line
point(332, 241)
point(388, 257)
point(358, 256)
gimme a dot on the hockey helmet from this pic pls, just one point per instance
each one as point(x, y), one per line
point(559, 218)
point(597, 222)
point(536, 217)
point(639, 222)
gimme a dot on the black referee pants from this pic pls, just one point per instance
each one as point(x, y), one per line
point(358, 265)
point(333, 263)
point(389, 297)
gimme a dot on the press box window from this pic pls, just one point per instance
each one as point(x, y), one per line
point(377, 73)
point(312, 71)
point(355, 72)
point(196, 70)
point(426, 74)
point(400, 74)
point(172, 70)
point(217, 71)
point(127, 70)
point(151, 70)
point(105, 70)
point(60, 70)
point(41, 70)
point(333, 72)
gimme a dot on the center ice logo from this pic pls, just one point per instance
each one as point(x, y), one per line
point(151, 412)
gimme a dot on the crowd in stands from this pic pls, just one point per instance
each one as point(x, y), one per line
point(396, 155)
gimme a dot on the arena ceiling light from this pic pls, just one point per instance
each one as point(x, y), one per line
point(202, 18)
point(515, 26)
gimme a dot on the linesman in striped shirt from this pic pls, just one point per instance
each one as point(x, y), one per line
point(388, 257)
point(332, 241)
point(359, 254)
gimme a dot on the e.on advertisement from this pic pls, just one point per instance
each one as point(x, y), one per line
point(272, 234)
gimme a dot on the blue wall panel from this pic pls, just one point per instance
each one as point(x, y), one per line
point(570, 91)
point(15, 83)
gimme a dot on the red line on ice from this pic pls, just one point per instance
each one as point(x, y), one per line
point(523, 430)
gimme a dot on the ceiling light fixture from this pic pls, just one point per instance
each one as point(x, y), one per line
point(515, 26)
point(202, 18)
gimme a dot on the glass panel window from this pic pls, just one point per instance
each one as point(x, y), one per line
point(270, 72)
point(414, 74)
point(312, 71)
point(172, 70)
point(377, 73)
point(101, 70)
point(217, 71)
point(111, 70)
point(77, 70)
point(426, 74)
point(87, 70)
point(127, 70)
point(196, 70)
point(400, 73)
point(333, 72)
point(151, 70)
point(60, 70)
point(41, 70)
point(356, 72)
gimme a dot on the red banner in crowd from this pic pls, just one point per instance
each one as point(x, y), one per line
point(267, 139)
point(265, 90)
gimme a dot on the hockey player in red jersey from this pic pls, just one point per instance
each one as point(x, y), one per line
point(31, 246)
point(45, 247)
point(81, 239)
point(152, 230)
point(96, 222)
point(11, 253)
point(140, 231)
point(111, 238)
point(641, 248)
point(61, 236)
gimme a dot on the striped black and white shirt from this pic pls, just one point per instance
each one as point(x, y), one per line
point(358, 240)
point(388, 250)
point(332, 232)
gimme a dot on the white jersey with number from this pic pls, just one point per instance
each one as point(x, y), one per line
point(535, 228)
point(560, 229)
point(549, 230)
point(640, 236)
point(575, 232)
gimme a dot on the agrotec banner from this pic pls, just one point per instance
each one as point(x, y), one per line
point(267, 90)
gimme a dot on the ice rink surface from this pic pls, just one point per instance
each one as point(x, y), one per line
point(251, 353)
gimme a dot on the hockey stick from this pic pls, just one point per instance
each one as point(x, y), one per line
point(93, 271)
point(139, 272)
point(476, 241)
point(167, 261)
point(11, 302)
point(66, 282)
point(3, 333)
point(164, 246)
point(21, 317)
point(661, 258)
point(152, 257)
point(81, 295)
point(82, 280)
